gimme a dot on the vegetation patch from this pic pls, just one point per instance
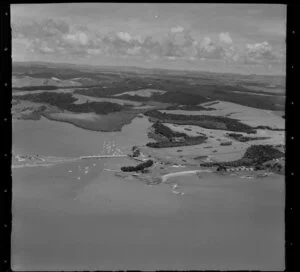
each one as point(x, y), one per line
point(166, 137)
point(225, 143)
point(189, 108)
point(188, 141)
point(241, 138)
point(269, 128)
point(140, 167)
point(37, 88)
point(163, 130)
point(205, 121)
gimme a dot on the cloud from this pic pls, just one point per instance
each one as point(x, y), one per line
point(177, 29)
point(171, 58)
point(47, 28)
point(134, 51)
point(124, 36)
point(179, 44)
point(94, 51)
point(57, 37)
point(208, 45)
point(210, 49)
point(77, 38)
point(225, 38)
point(259, 52)
point(44, 48)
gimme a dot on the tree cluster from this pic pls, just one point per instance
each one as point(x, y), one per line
point(139, 167)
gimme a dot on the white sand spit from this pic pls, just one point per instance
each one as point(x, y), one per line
point(111, 170)
point(182, 173)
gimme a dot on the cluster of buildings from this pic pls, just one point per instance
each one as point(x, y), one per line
point(235, 169)
point(241, 168)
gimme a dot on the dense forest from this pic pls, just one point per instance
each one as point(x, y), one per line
point(255, 155)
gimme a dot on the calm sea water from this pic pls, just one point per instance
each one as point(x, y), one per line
point(52, 138)
point(78, 216)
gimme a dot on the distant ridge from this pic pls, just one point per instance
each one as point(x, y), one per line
point(137, 69)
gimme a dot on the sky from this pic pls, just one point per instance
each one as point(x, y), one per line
point(229, 38)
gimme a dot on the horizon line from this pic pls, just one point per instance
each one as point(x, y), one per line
point(148, 68)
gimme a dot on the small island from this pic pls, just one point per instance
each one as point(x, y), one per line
point(166, 137)
point(140, 167)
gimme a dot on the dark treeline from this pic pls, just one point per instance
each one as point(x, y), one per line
point(55, 99)
point(188, 141)
point(36, 88)
point(65, 101)
point(51, 87)
point(241, 138)
point(195, 108)
point(269, 128)
point(163, 130)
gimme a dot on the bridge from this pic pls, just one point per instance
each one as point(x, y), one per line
point(101, 156)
